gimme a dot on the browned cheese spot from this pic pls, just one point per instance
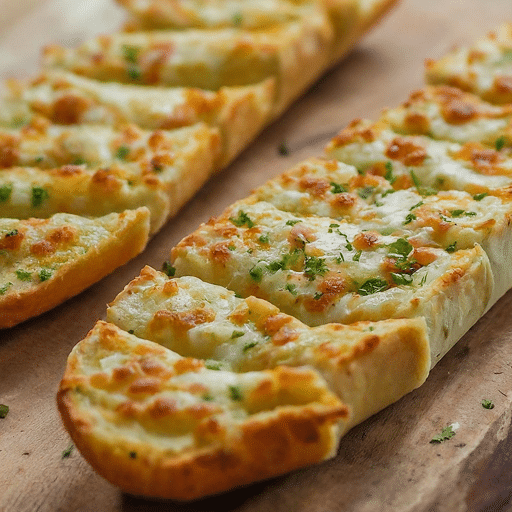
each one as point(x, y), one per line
point(69, 109)
point(406, 151)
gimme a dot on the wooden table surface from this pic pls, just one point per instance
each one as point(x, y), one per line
point(384, 464)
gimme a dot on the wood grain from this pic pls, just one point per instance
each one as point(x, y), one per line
point(385, 464)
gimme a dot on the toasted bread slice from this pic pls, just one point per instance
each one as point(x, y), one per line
point(158, 424)
point(321, 270)
point(66, 98)
point(485, 68)
point(46, 261)
point(447, 113)
point(294, 54)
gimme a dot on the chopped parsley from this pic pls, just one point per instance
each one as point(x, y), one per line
point(39, 194)
point(389, 172)
point(500, 143)
point(415, 180)
point(409, 218)
point(131, 331)
point(373, 285)
point(235, 393)
point(292, 222)
point(207, 398)
point(446, 433)
point(45, 274)
point(237, 19)
point(5, 193)
point(122, 152)
point(366, 192)
point(256, 273)
point(130, 53)
point(4, 288)
point(424, 279)
point(168, 269)
point(237, 334)
point(336, 188)
point(357, 256)
point(275, 266)
point(400, 249)
point(133, 455)
point(318, 295)
point(14, 232)
point(459, 213)
point(487, 404)
point(212, 366)
point(67, 452)
point(479, 197)
point(452, 247)
point(291, 288)
point(417, 205)
point(283, 149)
point(314, 266)
point(134, 72)
point(250, 345)
point(23, 275)
point(4, 410)
point(264, 239)
point(79, 161)
point(401, 279)
point(242, 219)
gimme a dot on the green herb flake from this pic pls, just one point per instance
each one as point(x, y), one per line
point(417, 205)
point(479, 197)
point(130, 53)
point(242, 219)
point(366, 192)
point(275, 266)
point(452, 247)
point(4, 288)
point(134, 73)
point(39, 194)
point(45, 274)
point(409, 218)
point(237, 19)
point(207, 398)
point(79, 161)
point(67, 452)
point(237, 334)
point(5, 193)
point(487, 404)
point(357, 256)
point(292, 222)
point(314, 266)
point(212, 366)
point(318, 295)
point(39, 159)
point(336, 188)
point(291, 288)
point(283, 149)
point(401, 279)
point(415, 180)
point(264, 239)
point(250, 345)
point(389, 172)
point(132, 455)
point(4, 410)
point(235, 393)
point(131, 331)
point(14, 232)
point(424, 279)
point(500, 143)
point(457, 213)
point(371, 286)
point(400, 249)
point(387, 192)
point(340, 259)
point(23, 275)
point(256, 274)
point(168, 269)
point(446, 433)
point(122, 152)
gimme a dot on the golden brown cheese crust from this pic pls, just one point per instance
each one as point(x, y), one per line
point(484, 68)
point(197, 433)
point(45, 262)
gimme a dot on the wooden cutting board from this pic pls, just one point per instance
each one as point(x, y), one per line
point(384, 464)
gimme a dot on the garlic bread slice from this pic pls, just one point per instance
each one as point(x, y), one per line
point(65, 98)
point(368, 365)
point(294, 54)
point(159, 424)
point(484, 68)
point(43, 262)
point(320, 270)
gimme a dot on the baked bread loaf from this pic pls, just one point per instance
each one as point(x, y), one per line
point(364, 268)
point(143, 118)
